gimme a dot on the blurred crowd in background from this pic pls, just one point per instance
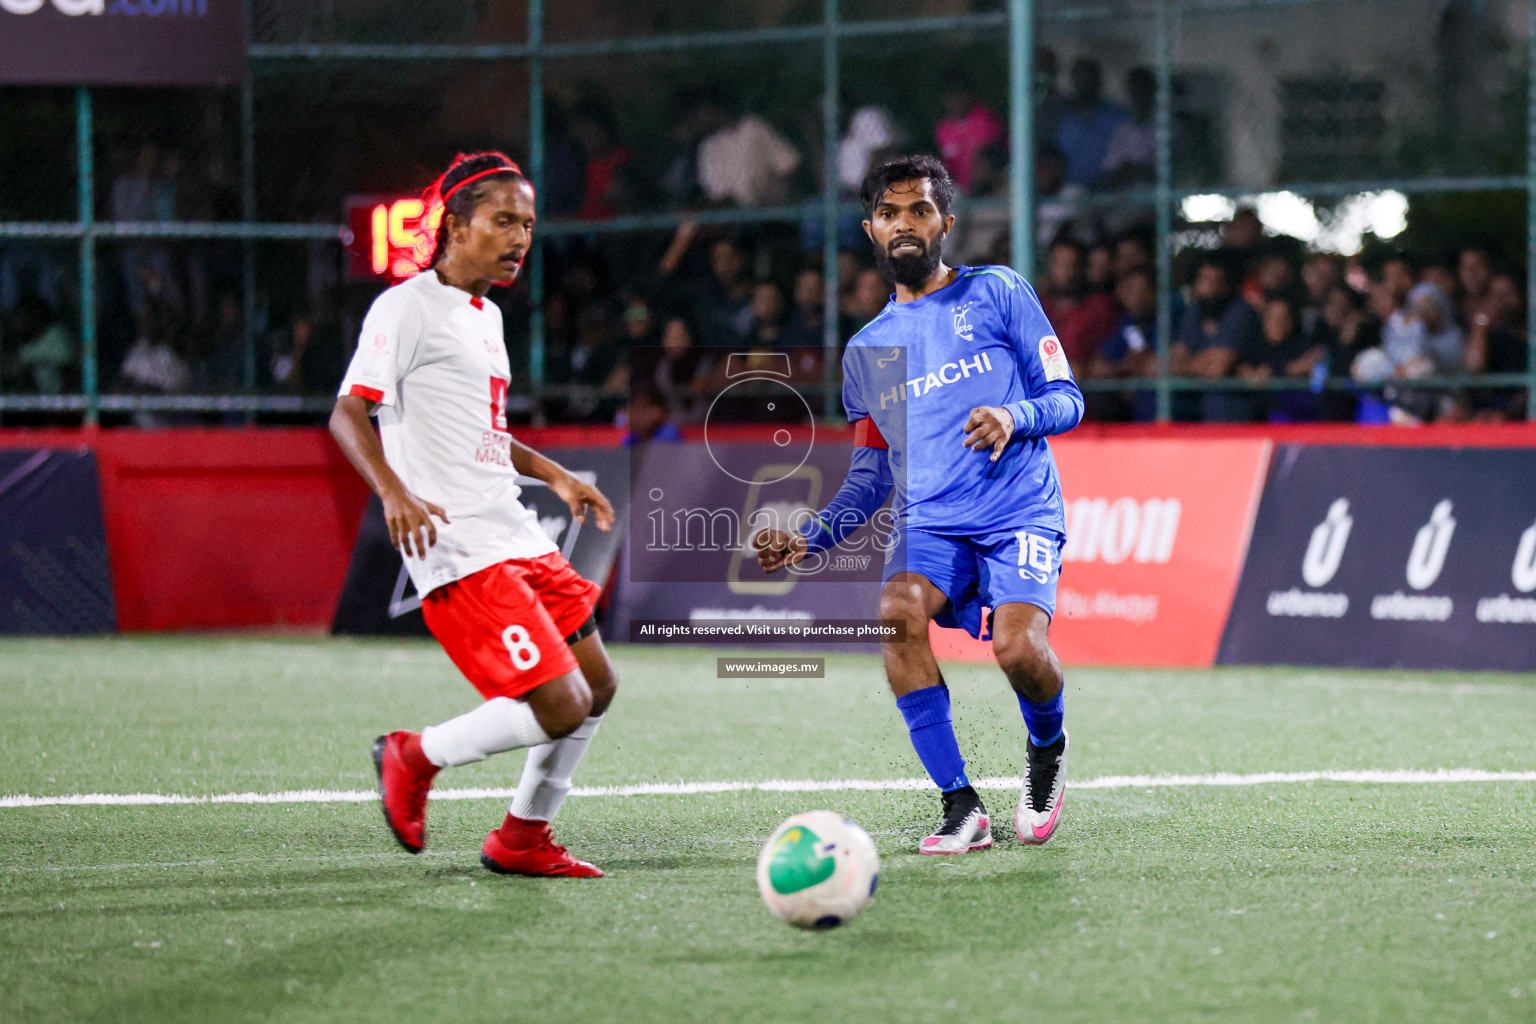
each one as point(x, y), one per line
point(171, 316)
point(648, 316)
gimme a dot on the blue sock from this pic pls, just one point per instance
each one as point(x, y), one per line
point(933, 735)
point(1044, 719)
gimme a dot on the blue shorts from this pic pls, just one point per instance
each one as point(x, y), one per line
point(981, 572)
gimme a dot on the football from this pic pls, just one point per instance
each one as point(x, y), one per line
point(818, 870)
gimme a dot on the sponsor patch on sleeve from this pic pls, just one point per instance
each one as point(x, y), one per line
point(1053, 359)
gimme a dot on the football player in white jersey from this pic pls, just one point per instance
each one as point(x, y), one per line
point(513, 615)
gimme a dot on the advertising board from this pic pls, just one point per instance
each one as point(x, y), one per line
point(1373, 557)
point(122, 42)
point(1156, 533)
point(54, 571)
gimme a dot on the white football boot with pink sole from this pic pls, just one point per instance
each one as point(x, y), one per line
point(966, 827)
point(1045, 786)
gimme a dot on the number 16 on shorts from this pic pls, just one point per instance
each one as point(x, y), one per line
point(525, 654)
point(1035, 553)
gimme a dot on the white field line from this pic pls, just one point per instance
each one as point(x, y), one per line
point(345, 796)
point(225, 862)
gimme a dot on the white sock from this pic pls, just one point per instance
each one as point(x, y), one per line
point(547, 775)
point(501, 723)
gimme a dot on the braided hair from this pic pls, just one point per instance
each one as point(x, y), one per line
point(464, 183)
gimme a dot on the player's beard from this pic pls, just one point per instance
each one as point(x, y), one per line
point(911, 271)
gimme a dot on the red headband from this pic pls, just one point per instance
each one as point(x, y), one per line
point(504, 169)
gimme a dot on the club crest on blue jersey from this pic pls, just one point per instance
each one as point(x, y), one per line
point(963, 326)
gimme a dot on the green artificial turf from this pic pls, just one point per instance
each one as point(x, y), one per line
point(1282, 902)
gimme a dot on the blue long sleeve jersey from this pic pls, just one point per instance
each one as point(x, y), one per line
point(915, 372)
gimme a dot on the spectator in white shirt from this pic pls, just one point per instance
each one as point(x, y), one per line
point(870, 133)
point(747, 162)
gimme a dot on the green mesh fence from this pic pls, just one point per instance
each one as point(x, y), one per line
point(200, 256)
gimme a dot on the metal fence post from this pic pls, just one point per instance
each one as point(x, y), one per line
point(831, 342)
point(1164, 200)
point(536, 177)
point(86, 194)
point(248, 248)
point(1021, 134)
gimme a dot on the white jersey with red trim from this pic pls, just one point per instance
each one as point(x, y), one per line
point(433, 358)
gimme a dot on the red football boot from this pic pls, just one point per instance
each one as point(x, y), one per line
point(526, 847)
point(405, 778)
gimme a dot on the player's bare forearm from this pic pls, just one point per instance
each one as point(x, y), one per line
point(408, 517)
point(353, 430)
point(530, 463)
point(580, 496)
point(864, 489)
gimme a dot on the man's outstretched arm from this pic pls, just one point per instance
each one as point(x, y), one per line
point(865, 488)
point(578, 495)
point(409, 517)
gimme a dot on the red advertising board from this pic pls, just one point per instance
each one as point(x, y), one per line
point(1156, 535)
point(220, 529)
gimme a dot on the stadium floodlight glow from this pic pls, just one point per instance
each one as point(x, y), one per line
point(1204, 208)
point(1383, 214)
point(1288, 214)
point(1388, 213)
point(1340, 228)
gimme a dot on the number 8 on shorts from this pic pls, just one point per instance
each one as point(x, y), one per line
point(525, 654)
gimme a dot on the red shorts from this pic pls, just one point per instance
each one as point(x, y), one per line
point(505, 626)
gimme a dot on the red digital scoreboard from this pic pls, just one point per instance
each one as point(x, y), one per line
point(390, 236)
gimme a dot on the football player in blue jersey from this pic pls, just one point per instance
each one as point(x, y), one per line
point(952, 391)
